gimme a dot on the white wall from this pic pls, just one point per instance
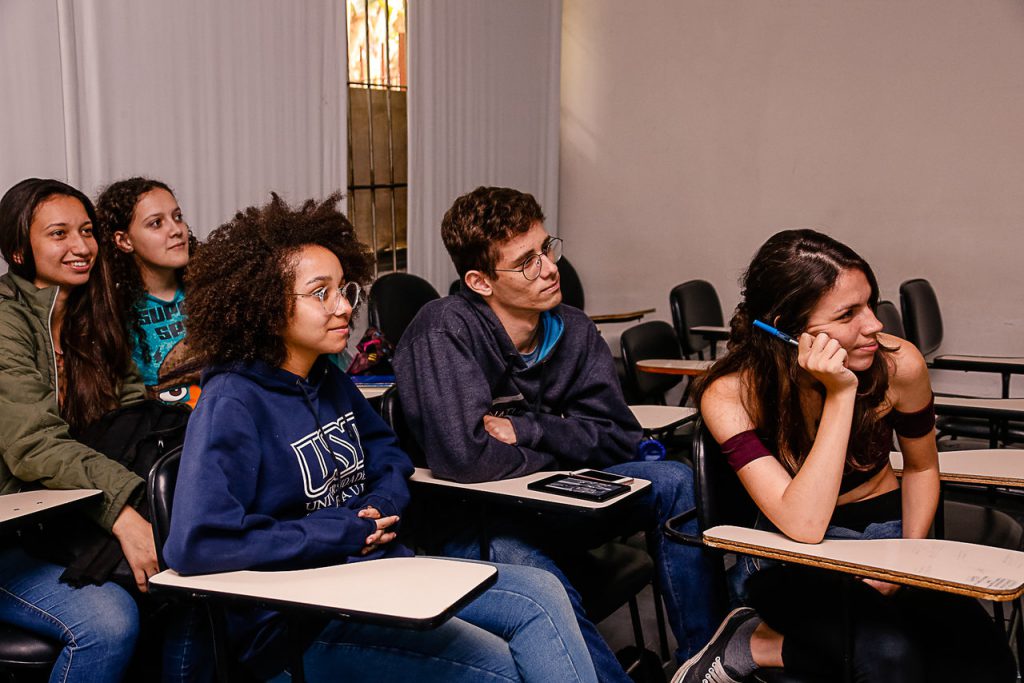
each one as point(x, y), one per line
point(694, 129)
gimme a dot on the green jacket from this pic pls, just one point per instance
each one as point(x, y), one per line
point(35, 445)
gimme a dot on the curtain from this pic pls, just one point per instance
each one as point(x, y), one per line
point(483, 110)
point(225, 101)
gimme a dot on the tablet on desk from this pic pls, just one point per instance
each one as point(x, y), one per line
point(578, 487)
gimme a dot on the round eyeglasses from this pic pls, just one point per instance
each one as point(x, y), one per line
point(533, 265)
point(330, 298)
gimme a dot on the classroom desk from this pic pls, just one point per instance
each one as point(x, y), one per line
point(712, 334)
point(989, 408)
point(1001, 365)
point(513, 492)
point(621, 317)
point(976, 571)
point(18, 509)
point(654, 419)
point(390, 591)
point(371, 391)
point(674, 366)
point(990, 467)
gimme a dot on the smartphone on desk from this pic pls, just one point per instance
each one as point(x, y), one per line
point(599, 475)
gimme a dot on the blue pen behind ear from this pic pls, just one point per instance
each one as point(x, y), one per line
point(775, 333)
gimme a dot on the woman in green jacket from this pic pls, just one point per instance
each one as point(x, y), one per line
point(64, 362)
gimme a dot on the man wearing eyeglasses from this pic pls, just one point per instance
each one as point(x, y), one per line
point(501, 380)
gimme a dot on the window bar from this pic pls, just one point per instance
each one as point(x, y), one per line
point(369, 129)
point(391, 135)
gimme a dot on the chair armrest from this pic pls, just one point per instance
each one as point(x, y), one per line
point(387, 591)
point(976, 571)
point(621, 317)
point(673, 531)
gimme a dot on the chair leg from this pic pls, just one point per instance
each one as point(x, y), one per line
point(659, 601)
point(638, 627)
point(220, 643)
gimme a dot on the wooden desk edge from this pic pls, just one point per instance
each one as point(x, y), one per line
point(983, 479)
point(621, 317)
point(415, 623)
point(865, 570)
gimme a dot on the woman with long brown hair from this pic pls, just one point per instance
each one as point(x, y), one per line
point(64, 362)
point(808, 428)
point(148, 245)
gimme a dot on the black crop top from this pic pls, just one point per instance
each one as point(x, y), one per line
point(748, 446)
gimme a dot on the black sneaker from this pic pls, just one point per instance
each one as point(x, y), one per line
point(707, 665)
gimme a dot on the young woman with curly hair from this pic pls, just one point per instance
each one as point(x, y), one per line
point(808, 430)
point(148, 244)
point(286, 465)
point(64, 363)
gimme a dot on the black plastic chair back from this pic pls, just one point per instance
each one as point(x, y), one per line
point(160, 489)
point(922, 320)
point(721, 498)
point(391, 411)
point(572, 287)
point(394, 301)
point(889, 316)
point(694, 303)
point(653, 339)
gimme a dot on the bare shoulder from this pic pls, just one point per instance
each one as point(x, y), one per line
point(723, 407)
point(908, 373)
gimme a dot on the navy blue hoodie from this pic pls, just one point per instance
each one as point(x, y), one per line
point(259, 487)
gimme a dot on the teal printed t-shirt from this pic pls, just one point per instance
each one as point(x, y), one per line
point(163, 325)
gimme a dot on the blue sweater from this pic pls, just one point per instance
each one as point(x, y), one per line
point(258, 487)
point(456, 363)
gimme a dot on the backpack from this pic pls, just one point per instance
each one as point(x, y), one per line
point(135, 435)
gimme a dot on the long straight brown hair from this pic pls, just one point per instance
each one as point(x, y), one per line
point(785, 280)
point(97, 353)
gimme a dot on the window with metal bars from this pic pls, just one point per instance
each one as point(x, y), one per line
point(377, 130)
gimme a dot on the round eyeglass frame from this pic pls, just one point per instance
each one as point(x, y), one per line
point(343, 293)
point(551, 245)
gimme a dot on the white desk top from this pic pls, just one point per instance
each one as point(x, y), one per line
point(1012, 364)
point(997, 466)
point(675, 366)
point(19, 506)
point(413, 590)
point(950, 566)
point(373, 390)
point(1011, 408)
point(654, 418)
point(515, 489)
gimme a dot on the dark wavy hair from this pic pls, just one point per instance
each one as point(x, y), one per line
point(786, 279)
point(115, 209)
point(479, 221)
point(97, 353)
point(240, 279)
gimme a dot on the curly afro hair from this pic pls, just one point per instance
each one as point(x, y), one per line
point(115, 208)
point(239, 280)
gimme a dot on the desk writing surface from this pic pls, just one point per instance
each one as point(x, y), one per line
point(1010, 364)
point(655, 418)
point(976, 570)
point(719, 331)
point(408, 589)
point(995, 466)
point(1008, 408)
point(18, 507)
point(515, 489)
point(372, 390)
point(674, 366)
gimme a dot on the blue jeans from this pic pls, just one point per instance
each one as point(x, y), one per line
point(684, 571)
point(522, 628)
point(98, 625)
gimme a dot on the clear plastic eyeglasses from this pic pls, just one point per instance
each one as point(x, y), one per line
point(532, 266)
point(330, 298)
